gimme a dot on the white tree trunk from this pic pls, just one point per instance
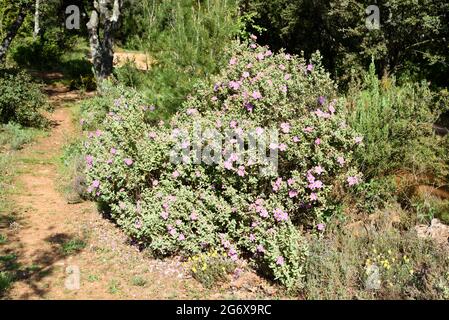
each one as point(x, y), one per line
point(37, 28)
point(12, 32)
point(102, 43)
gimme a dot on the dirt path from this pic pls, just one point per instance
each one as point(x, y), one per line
point(51, 240)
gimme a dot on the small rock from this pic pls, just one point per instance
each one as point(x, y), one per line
point(373, 280)
point(436, 231)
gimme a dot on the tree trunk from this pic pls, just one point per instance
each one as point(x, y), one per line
point(102, 47)
point(37, 28)
point(12, 32)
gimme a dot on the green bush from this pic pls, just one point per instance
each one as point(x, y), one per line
point(397, 125)
point(247, 208)
point(21, 100)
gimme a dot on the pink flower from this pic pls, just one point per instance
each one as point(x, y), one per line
point(164, 215)
point(321, 226)
point(245, 74)
point(113, 151)
point(214, 99)
point(331, 109)
point(287, 76)
point(191, 111)
point(234, 85)
point(233, 61)
point(152, 135)
point(282, 67)
point(353, 181)
point(313, 196)
point(318, 170)
point(260, 248)
point(318, 141)
point(321, 100)
point(256, 95)
point(273, 146)
point(249, 66)
point(241, 171)
point(155, 183)
point(308, 129)
point(193, 216)
point(358, 140)
point(181, 237)
point(285, 127)
point(280, 215)
point(260, 56)
point(263, 212)
point(95, 184)
point(253, 46)
point(280, 261)
point(175, 174)
point(296, 139)
point(259, 130)
point(228, 165)
point(284, 89)
point(253, 37)
point(290, 181)
point(293, 193)
point(89, 160)
point(233, 124)
point(128, 161)
point(252, 237)
point(282, 147)
point(310, 67)
point(341, 161)
point(109, 161)
point(268, 53)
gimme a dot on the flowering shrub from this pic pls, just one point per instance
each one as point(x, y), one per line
point(234, 202)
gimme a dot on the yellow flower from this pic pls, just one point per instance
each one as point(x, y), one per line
point(194, 269)
point(204, 267)
point(411, 271)
point(389, 252)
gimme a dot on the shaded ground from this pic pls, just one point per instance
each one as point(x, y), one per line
point(49, 238)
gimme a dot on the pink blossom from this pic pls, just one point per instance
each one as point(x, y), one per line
point(321, 100)
point(260, 248)
point(164, 215)
point(234, 85)
point(293, 193)
point(353, 181)
point(285, 127)
point(233, 61)
point(280, 215)
point(253, 46)
point(155, 183)
point(282, 67)
point(310, 67)
point(95, 184)
point(280, 261)
point(282, 147)
point(331, 109)
point(260, 56)
point(109, 161)
point(193, 216)
point(228, 165)
point(273, 146)
point(321, 226)
point(256, 95)
point(129, 161)
point(263, 212)
point(284, 89)
point(296, 139)
point(253, 37)
point(252, 237)
point(291, 181)
point(175, 174)
point(341, 161)
point(287, 76)
point(259, 130)
point(249, 66)
point(89, 160)
point(245, 74)
point(214, 99)
point(241, 171)
point(152, 135)
point(113, 151)
point(268, 53)
point(313, 196)
point(317, 141)
point(191, 111)
point(181, 237)
point(233, 124)
point(318, 170)
point(308, 129)
point(358, 140)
